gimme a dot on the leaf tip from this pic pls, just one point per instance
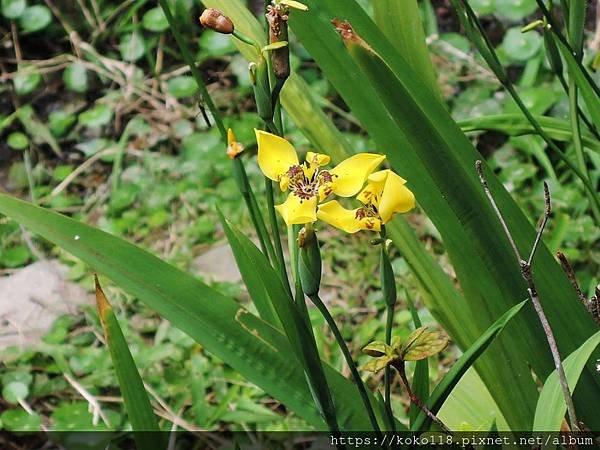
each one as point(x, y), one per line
point(101, 301)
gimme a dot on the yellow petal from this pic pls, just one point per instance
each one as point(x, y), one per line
point(275, 155)
point(345, 219)
point(374, 188)
point(318, 159)
point(395, 198)
point(350, 175)
point(298, 211)
point(230, 136)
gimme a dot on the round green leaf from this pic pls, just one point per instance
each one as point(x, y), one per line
point(98, 116)
point(15, 256)
point(483, 6)
point(35, 18)
point(15, 391)
point(132, 46)
point(183, 86)
point(515, 10)
point(155, 20)
point(12, 9)
point(76, 77)
point(60, 122)
point(218, 44)
point(26, 80)
point(20, 420)
point(521, 46)
point(18, 141)
point(61, 172)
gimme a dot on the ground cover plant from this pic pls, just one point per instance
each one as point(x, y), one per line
point(413, 212)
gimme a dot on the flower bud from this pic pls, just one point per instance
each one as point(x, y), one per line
point(277, 17)
point(388, 282)
point(217, 21)
point(309, 262)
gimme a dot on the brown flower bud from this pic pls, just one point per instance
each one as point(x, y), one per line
point(278, 31)
point(217, 21)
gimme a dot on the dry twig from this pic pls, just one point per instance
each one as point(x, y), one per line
point(525, 266)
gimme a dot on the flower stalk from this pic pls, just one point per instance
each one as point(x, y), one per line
point(388, 285)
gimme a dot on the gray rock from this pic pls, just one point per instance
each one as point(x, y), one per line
point(32, 298)
point(218, 264)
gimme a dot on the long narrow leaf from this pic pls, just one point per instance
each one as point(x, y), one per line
point(443, 389)
point(297, 330)
point(259, 352)
point(136, 400)
point(518, 125)
point(551, 406)
point(420, 381)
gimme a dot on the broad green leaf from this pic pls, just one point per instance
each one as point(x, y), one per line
point(75, 77)
point(551, 406)
point(14, 391)
point(35, 18)
point(518, 125)
point(132, 46)
point(12, 9)
point(521, 46)
point(154, 20)
point(438, 162)
point(17, 141)
point(98, 116)
point(259, 352)
point(470, 406)
point(20, 420)
point(134, 394)
point(182, 86)
point(444, 388)
point(26, 80)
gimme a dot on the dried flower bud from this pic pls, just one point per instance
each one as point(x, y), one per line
point(234, 148)
point(217, 21)
point(277, 16)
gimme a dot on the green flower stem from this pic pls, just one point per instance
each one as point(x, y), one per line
point(241, 179)
point(389, 295)
point(238, 166)
point(348, 357)
point(280, 260)
point(187, 56)
point(472, 25)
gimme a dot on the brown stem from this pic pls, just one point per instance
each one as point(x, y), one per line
point(568, 269)
point(532, 291)
point(399, 366)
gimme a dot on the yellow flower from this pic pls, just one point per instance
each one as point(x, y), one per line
point(384, 195)
point(307, 182)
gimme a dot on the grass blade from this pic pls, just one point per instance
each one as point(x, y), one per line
point(136, 400)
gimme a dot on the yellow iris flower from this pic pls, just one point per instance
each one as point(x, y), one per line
point(384, 195)
point(307, 182)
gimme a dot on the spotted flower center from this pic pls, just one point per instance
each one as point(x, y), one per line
point(307, 187)
point(369, 214)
